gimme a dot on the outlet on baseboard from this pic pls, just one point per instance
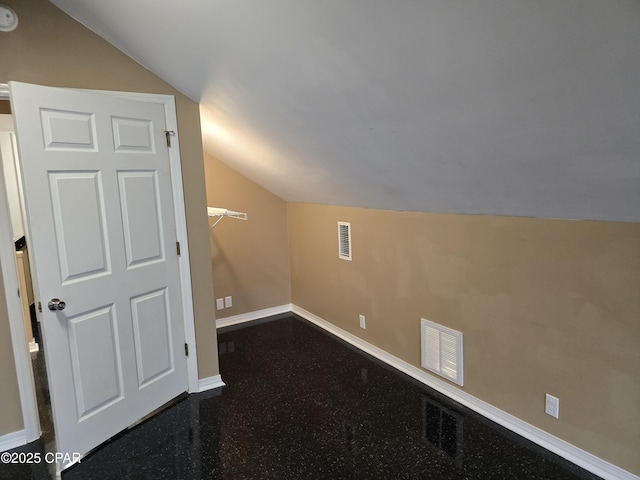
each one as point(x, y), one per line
point(219, 303)
point(552, 406)
point(228, 302)
point(363, 322)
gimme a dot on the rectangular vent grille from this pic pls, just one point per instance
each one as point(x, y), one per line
point(441, 350)
point(344, 240)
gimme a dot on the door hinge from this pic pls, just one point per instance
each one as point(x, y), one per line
point(168, 134)
point(40, 307)
point(178, 247)
point(186, 349)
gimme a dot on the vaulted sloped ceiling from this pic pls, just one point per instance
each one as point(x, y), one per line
point(507, 107)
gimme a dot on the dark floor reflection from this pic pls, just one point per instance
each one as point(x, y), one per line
point(301, 405)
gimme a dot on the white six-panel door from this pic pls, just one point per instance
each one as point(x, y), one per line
point(102, 233)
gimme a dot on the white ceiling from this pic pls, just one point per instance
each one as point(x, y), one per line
point(507, 107)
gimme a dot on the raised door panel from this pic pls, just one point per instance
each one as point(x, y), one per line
point(96, 366)
point(151, 317)
point(80, 228)
point(132, 135)
point(141, 217)
point(68, 130)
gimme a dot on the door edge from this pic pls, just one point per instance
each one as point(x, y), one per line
point(21, 354)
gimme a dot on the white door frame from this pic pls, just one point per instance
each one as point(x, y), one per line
point(11, 280)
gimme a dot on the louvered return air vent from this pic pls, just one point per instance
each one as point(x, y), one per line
point(344, 240)
point(441, 350)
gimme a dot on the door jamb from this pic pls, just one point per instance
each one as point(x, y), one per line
point(21, 355)
point(11, 281)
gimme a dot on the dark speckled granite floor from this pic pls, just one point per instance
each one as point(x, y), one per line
point(300, 404)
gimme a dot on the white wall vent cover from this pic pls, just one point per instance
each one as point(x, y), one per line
point(344, 240)
point(441, 350)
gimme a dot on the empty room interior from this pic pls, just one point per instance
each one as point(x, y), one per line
point(447, 190)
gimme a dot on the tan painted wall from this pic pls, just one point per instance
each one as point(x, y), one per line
point(10, 409)
point(546, 306)
point(50, 48)
point(250, 260)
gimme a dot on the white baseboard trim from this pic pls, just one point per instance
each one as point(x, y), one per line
point(256, 315)
point(210, 383)
point(13, 440)
point(554, 444)
point(550, 442)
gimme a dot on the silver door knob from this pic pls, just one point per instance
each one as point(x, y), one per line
point(56, 304)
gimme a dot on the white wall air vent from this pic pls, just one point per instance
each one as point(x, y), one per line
point(344, 240)
point(441, 350)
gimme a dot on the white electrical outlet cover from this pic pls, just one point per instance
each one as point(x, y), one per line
point(363, 322)
point(552, 406)
point(219, 303)
point(228, 302)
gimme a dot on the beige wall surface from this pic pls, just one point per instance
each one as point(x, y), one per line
point(250, 260)
point(546, 306)
point(50, 48)
point(10, 408)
